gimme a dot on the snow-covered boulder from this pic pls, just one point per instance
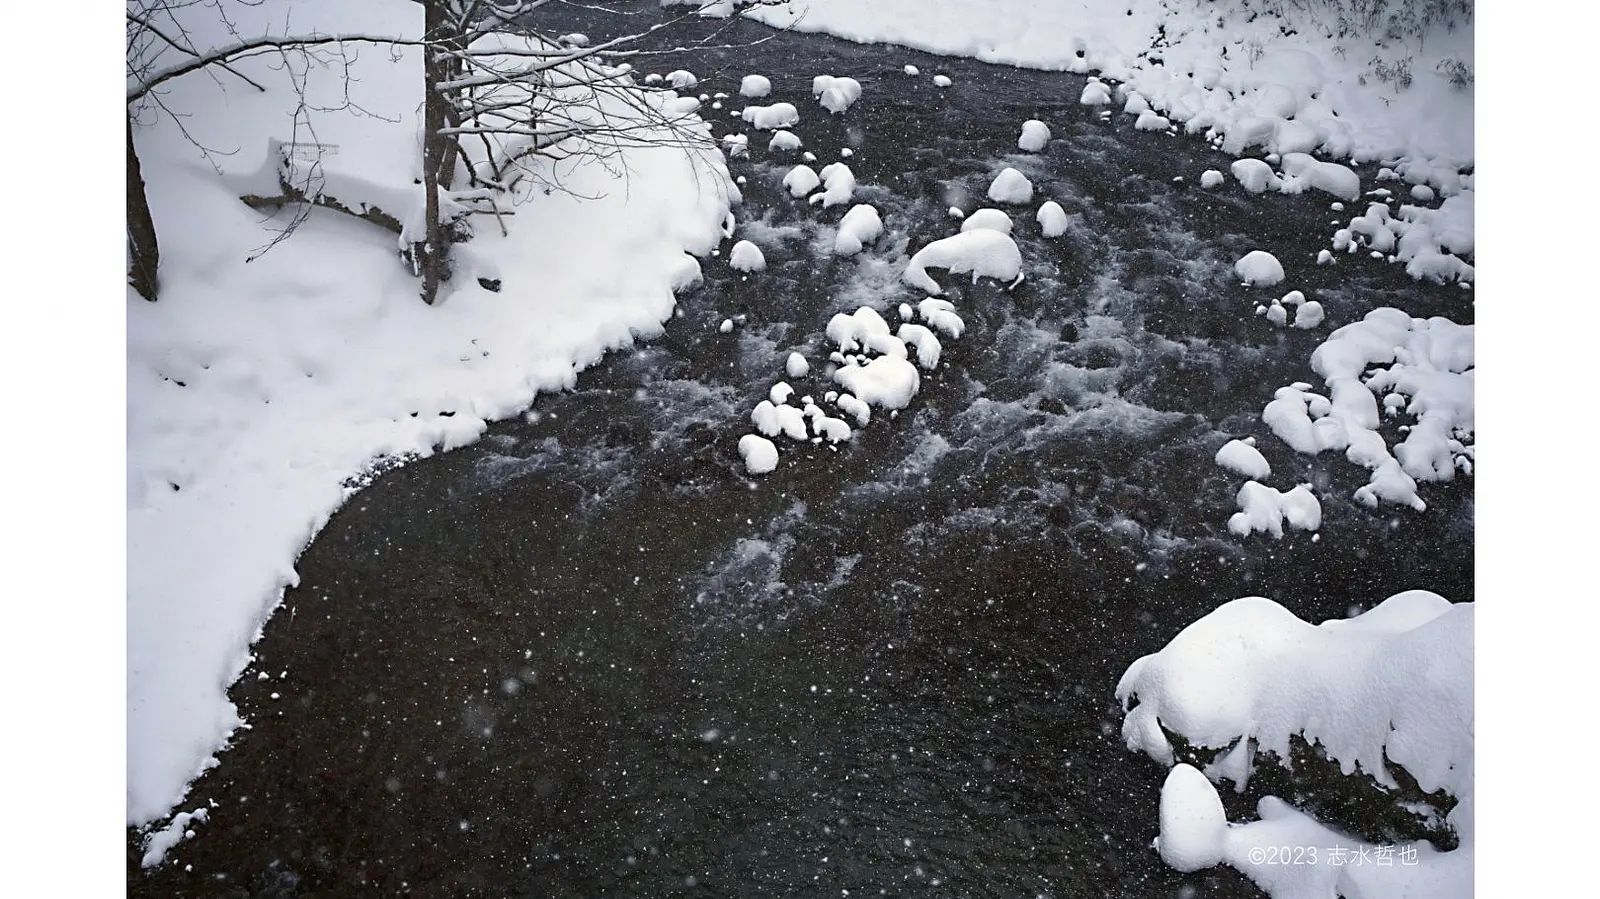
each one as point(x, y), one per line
point(770, 118)
point(759, 453)
point(746, 257)
point(1035, 135)
point(1254, 175)
point(984, 253)
point(755, 86)
point(1243, 458)
point(860, 226)
point(1052, 219)
point(1258, 267)
point(784, 140)
point(1011, 186)
point(838, 183)
point(992, 219)
point(801, 180)
point(835, 94)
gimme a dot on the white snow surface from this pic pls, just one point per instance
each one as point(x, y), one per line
point(1035, 135)
point(746, 257)
point(983, 252)
point(259, 393)
point(1258, 267)
point(1392, 686)
point(1011, 186)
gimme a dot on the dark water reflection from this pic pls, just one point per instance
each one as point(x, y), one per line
point(588, 656)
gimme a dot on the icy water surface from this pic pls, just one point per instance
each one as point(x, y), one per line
point(589, 656)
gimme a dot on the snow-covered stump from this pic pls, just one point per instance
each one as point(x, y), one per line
point(1370, 716)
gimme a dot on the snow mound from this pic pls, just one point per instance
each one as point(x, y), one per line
point(1261, 508)
point(1194, 827)
point(1035, 135)
point(755, 86)
point(1390, 687)
point(770, 118)
point(746, 257)
point(796, 366)
point(1011, 186)
point(984, 253)
point(992, 219)
point(838, 185)
point(1254, 175)
point(784, 140)
point(1052, 219)
point(1243, 458)
point(860, 226)
point(835, 94)
point(885, 381)
point(801, 180)
point(1424, 368)
point(1211, 178)
point(1258, 267)
point(760, 454)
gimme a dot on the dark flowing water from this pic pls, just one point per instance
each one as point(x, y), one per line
point(589, 656)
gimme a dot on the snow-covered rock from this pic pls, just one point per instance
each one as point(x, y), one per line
point(1254, 175)
point(1011, 186)
point(1243, 458)
point(1035, 135)
point(755, 86)
point(796, 366)
point(1194, 826)
point(770, 118)
point(860, 226)
point(1328, 177)
point(1309, 315)
point(924, 341)
point(682, 80)
point(885, 381)
point(1261, 508)
point(1258, 267)
point(1094, 94)
point(984, 253)
point(759, 454)
point(1052, 219)
point(942, 81)
point(990, 218)
point(835, 94)
point(801, 180)
point(1211, 178)
point(746, 257)
point(784, 140)
point(838, 184)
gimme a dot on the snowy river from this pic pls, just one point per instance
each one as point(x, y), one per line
point(589, 655)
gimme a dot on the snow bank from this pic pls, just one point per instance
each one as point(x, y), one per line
point(860, 226)
point(755, 86)
point(260, 393)
point(1258, 267)
point(1423, 368)
point(746, 257)
point(1390, 687)
point(1011, 186)
point(1035, 135)
point(769, 118)
point(987, 218)
point(984, 253)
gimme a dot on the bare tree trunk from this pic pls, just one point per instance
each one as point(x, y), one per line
point(144, 251)
point(436, 248)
